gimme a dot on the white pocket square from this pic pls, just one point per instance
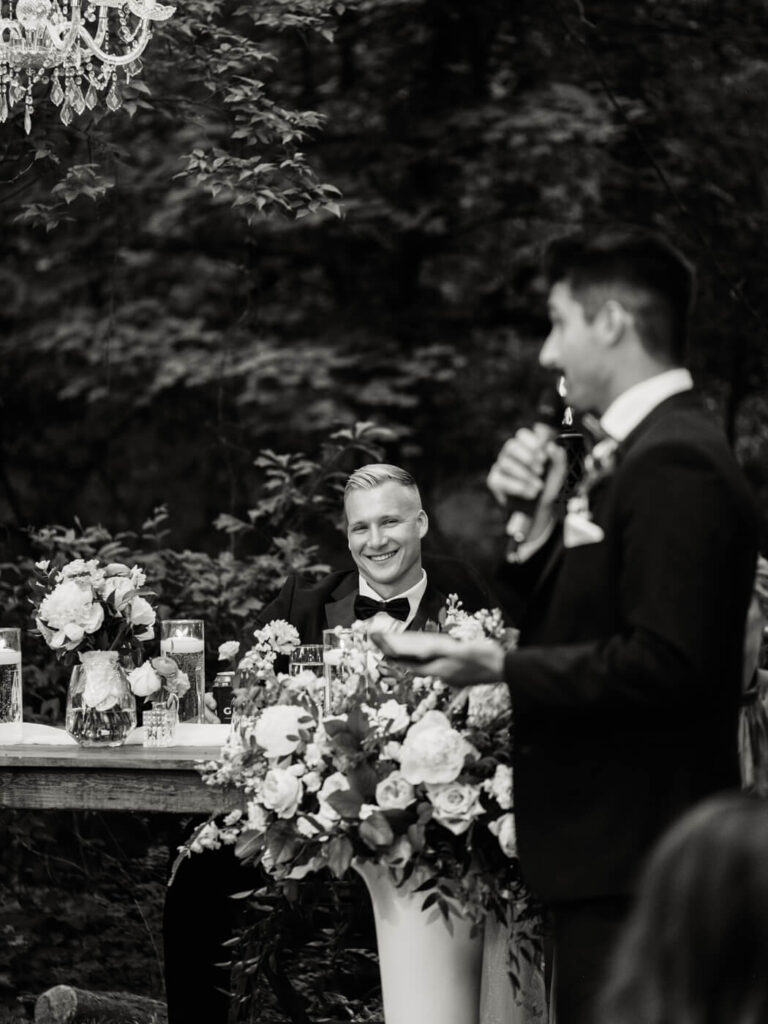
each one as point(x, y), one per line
point(578, 529)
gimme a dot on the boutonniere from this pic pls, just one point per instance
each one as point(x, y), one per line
point(600, 463)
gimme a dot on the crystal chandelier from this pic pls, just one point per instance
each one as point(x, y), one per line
point(76, 45)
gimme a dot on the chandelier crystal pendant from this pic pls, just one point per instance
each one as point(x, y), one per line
point(81, 47)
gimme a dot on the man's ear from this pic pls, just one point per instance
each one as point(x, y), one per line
point(423, 523)
point(611, 322)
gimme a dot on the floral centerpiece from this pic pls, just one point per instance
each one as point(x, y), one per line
point(402, 773)
point(97, 612)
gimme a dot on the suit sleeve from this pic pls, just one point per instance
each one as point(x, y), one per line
point(686, 549)
point(281, 607)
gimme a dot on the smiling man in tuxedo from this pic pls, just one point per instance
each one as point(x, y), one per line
point(626, 680)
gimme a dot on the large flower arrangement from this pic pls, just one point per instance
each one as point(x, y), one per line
point(400, 771)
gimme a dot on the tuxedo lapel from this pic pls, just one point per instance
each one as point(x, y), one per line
point(429, 608)
point(340, 610)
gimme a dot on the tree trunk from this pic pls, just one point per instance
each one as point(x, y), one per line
point(66, 1005)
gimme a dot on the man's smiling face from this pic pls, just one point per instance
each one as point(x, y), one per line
point(385, 525)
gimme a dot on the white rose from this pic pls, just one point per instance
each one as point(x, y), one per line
point(312, 782)
point(455, 804)
point(281, 792)
point(141, 613)
point(144, 681)
point(432, 751)
point(394, 792)
point(277, 729)
point(392, 714)
point(504, 829)
point(228, 649)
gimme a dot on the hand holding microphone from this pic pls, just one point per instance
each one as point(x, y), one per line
point(529, 472)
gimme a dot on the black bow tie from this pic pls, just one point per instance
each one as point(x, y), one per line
point(366, 607)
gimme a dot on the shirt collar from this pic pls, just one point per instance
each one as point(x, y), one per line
point(630, 408)
point(413, 594)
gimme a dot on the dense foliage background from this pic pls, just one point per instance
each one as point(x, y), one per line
point(311, 216)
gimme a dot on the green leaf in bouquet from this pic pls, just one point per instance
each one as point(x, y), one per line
point(249, 845)
point(281, 842)
point(339, 853)
point(363, 779)
point(346, 802)
point(375, 831)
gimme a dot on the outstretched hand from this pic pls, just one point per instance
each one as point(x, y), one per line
point(435, 654)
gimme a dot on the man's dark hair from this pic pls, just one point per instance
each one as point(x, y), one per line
point(642, 271)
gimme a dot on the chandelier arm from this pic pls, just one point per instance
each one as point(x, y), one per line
point(112, 58)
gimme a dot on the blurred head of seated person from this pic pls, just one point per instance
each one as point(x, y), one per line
point(695, 948)
point(757, 620)
point(385, 525)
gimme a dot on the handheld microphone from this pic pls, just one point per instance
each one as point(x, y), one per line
point(551, 413)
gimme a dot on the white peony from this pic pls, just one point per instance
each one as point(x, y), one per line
point(68, 613)
point(433, 751)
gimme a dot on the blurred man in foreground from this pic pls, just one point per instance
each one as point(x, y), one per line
point(626, 681)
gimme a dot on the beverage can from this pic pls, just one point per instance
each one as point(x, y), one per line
point(224, 694)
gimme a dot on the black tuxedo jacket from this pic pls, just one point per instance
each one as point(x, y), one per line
point(627, 677)
point(314, 606)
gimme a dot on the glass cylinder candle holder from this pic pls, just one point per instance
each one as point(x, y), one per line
point(184, 641)
point(335, 641)
point(10, 677)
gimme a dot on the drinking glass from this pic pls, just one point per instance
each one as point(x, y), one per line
point(10, 676)
point(184, 641)
point(334, 642)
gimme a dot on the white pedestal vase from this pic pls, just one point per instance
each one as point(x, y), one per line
point(427, 973)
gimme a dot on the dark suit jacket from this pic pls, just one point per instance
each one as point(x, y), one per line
point(314, 606)
point(627, 677)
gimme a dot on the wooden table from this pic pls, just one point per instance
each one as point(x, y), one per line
point(129, 778)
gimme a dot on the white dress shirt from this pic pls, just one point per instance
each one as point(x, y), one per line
point(381, 622)
point(630, 409)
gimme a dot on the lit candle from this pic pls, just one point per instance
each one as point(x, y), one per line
point(182, 645)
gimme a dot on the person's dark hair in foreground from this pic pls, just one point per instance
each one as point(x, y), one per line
point(695, 948)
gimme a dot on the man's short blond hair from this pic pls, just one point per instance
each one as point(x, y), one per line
point(377, 473)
